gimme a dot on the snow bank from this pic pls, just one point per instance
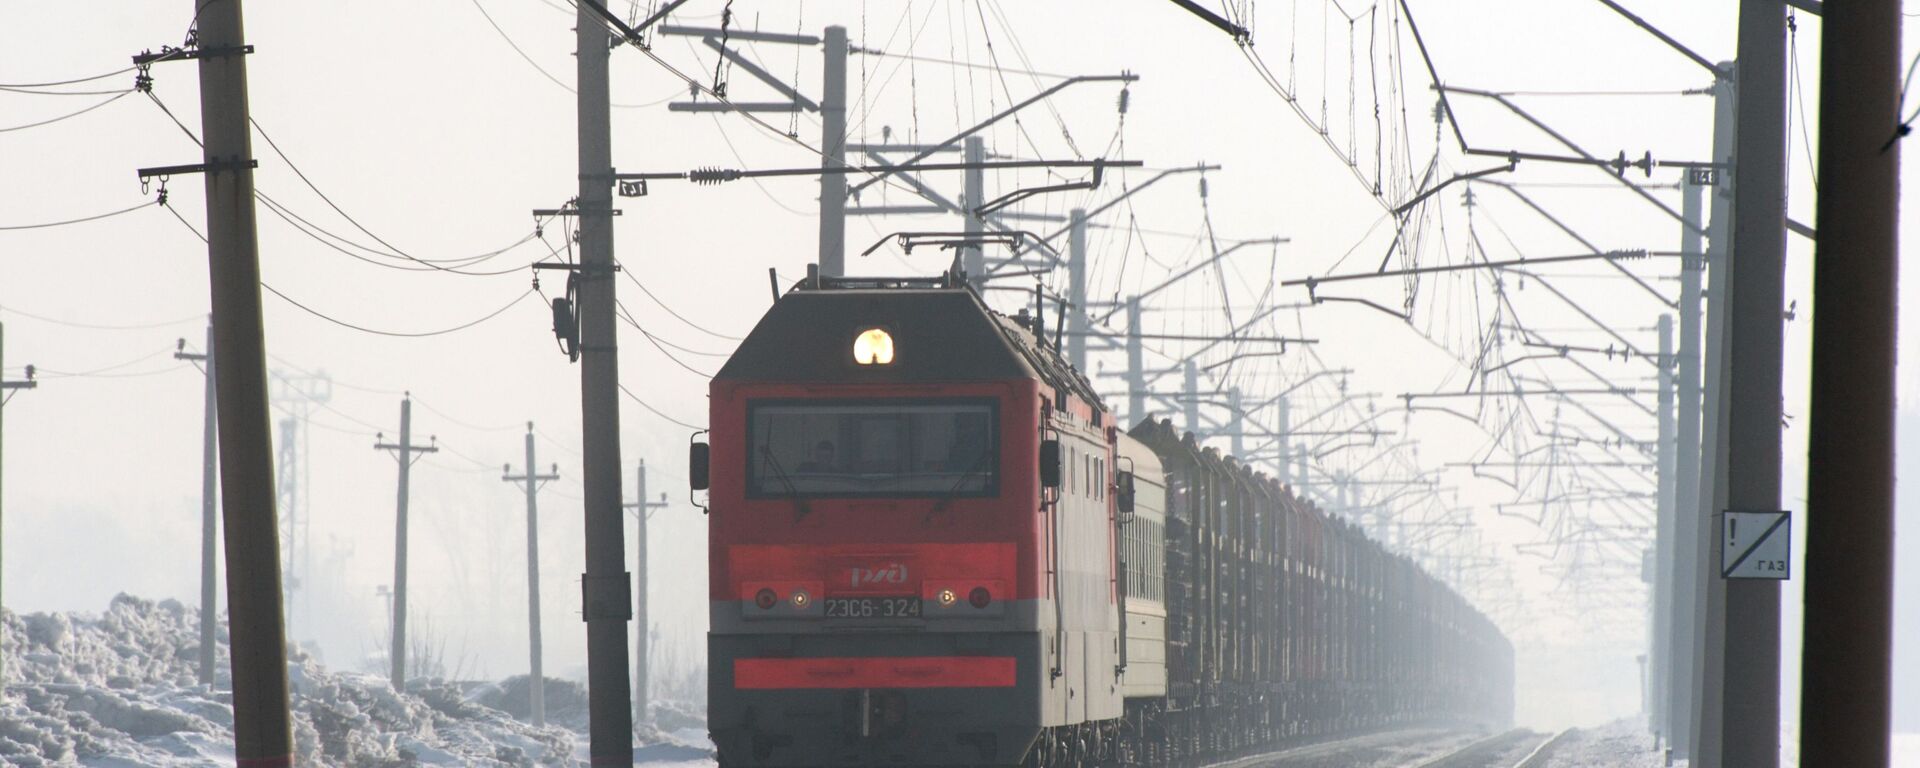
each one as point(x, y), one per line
point(119, 690)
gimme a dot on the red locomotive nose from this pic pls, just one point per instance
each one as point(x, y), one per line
point(979, 597)
point(765, 599)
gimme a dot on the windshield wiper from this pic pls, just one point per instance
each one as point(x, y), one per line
point(800, 508)
point(978, 464)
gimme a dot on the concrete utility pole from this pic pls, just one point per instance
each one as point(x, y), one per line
point(6, 390)
point(1136, 378)
point(209, 512)
point(606, 586)
point(973, 258)
point(1695, 572)
point(255, 616)
point(833, 149)
point(1306, 480)
point(1237, 425)
point(1665, 532)
point(1846, 672)
point(1740, 726)
point(1192, 400)
point(1672, 684)
point(403, 451)
point(1077, 290)
point(1280, 429)
point(642, 681)
point(536, 682)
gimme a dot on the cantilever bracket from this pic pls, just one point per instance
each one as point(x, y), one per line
point(795, 101)
point(170, 53)
point(213, 167)
point(991, 206)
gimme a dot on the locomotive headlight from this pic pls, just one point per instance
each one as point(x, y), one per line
point(765, 599)
point(947, 598)
point(801, 599)
point(873, 347)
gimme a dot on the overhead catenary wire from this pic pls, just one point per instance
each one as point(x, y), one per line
point(106, 371)
point(81, 220)
point(663, 305)
point(655, 411)
point(102, 326)
point(365, 329)
point(628, 318)
point(402, 334)
point(43, 92)
point(396, 252)
point(342, 244)
point(73, 81)
point(549, 75)
point(49, 121)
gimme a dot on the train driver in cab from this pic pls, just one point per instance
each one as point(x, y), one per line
point(822, 461)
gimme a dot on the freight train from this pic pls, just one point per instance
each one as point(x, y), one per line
point(932, 544)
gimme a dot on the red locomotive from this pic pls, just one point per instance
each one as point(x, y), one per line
point(930, 544)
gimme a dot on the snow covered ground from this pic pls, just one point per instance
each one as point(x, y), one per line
point(1619, 744)
point(118, 689)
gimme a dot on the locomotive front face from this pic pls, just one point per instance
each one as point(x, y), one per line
point(877, 590)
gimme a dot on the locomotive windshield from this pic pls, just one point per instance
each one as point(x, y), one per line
point(873, 448)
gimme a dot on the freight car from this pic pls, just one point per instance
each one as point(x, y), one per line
point(931, 544)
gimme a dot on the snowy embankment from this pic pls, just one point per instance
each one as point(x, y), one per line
point(119, 690)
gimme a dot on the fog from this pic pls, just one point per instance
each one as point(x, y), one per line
point(436, 128)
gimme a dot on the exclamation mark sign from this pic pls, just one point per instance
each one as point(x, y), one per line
point(1733, 532)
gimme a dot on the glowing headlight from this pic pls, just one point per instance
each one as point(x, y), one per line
point(873, 347)
point(801, 598)
point(947, 598)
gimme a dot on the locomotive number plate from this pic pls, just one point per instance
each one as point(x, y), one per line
point(872, 607)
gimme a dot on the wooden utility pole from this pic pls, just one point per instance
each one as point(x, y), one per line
point(536, 682)
point(403, 451)
point(642, 632)
point(1846, 659)
point(606, 587)
point(209, 511)
point(6, 393)
point(262, 730)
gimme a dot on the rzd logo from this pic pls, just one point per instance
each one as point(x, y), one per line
point(893, 573)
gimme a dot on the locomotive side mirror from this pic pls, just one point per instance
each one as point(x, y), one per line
point(1123, 492)
point(697, 460)
point(1050, 464)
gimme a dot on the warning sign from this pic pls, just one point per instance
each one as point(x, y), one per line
point(1755, 545)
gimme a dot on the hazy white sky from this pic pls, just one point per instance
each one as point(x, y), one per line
point(425, 124)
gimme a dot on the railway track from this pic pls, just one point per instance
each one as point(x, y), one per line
point(1382, 750)
point(1518, 748)
point(1420, 748)
point(1538, 757)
